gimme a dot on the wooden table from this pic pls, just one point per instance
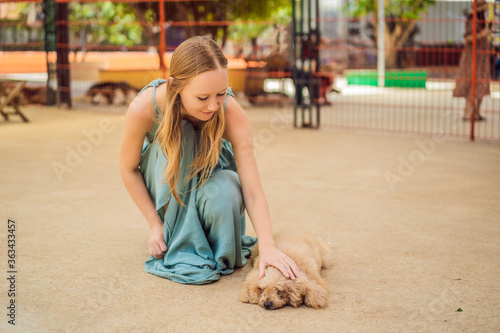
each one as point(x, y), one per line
point(10, 96)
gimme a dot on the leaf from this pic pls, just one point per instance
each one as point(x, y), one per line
point(459, 310)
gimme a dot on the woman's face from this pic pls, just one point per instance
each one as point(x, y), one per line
point(203, 94)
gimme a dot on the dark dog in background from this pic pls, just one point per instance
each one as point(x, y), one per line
point(116, 93)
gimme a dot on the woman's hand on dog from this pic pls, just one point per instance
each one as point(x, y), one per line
point(272, 256)
point(157, 246)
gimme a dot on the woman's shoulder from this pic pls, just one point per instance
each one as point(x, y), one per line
point(141, 111)
point(234, 114)
point(142, 104)
point(145, 108)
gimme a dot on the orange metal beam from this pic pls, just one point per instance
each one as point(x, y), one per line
point(117, 0)
point(162, 39)
point(473, 69)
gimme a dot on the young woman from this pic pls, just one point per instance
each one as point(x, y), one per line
point(187, 161)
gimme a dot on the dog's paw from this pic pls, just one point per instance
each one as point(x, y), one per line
point(244, 296)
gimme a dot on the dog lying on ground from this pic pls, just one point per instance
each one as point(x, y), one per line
point(274, 291)
point(116, 93)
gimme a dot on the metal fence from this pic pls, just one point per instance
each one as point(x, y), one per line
point(417, 97)
point(424, 70)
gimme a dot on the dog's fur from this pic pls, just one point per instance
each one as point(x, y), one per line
point(274, 291)
point(116, 93)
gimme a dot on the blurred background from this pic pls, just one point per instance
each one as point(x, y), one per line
point(322, 62)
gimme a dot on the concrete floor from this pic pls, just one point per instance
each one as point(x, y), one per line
point(414, 223)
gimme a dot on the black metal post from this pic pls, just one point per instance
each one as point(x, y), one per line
point(62, 46)
point(49, 23)
point(306, 37)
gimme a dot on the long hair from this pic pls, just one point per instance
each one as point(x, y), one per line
point(194, 56)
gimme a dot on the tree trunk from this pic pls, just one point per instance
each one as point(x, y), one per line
point(390, 52)
point(390, 59)
point(396, 39)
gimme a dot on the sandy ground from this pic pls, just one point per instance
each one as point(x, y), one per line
point(414, 223)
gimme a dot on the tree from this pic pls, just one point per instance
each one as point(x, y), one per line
point(104, 23)
point(401, 19)
point(202, 17)
point(245, 16)
point(249, 28)
point(19, 27)
point(241, 21)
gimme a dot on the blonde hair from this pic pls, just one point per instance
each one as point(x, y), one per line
point(194, 56)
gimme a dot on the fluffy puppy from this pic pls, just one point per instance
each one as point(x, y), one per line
point(274, 291)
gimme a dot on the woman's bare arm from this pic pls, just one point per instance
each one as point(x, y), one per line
point(138, 123)
point(238, 132)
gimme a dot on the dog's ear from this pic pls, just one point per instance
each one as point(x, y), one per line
point(251, 291)
point(296, 292)
point(244, 295)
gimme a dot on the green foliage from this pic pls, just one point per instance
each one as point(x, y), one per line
point(406, 9)
point(113, 23)
point(246, 28)
point(258, 10)
point(16, 30)
point(15, 11)
point(126, 31)
point(243, 31)
point(361, 8)
point(400, 25)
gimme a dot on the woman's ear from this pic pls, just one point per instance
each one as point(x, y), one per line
point(170, 79)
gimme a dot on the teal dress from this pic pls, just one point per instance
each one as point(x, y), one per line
point(206, 237)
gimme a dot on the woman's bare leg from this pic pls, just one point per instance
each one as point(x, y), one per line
point(468, 109)
point(477, 108)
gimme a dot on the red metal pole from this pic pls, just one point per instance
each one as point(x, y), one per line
point(162, 39)
point(473, 78)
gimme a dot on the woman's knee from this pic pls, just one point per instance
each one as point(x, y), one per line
point(221, 195)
